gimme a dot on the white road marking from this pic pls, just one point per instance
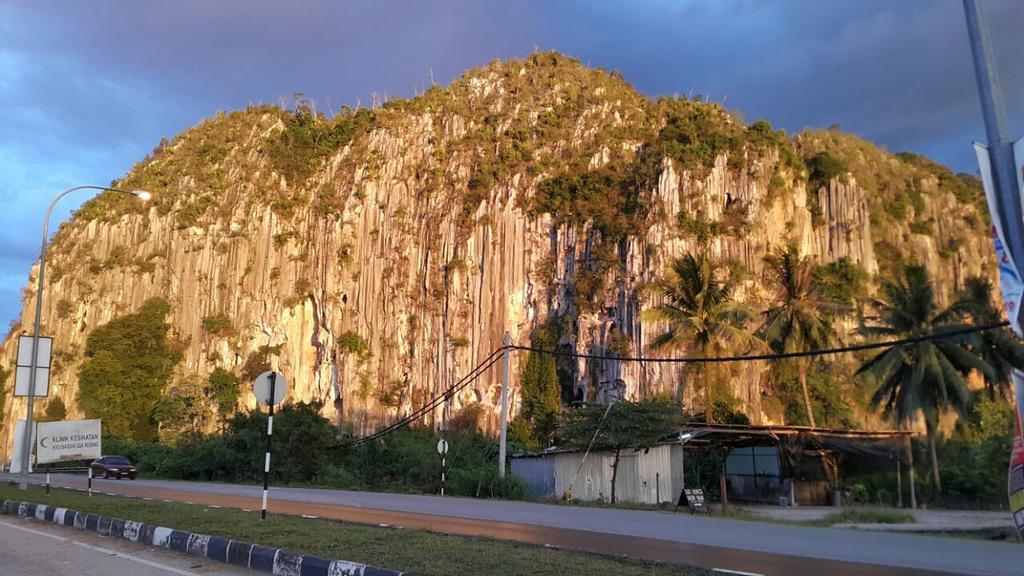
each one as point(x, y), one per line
point(107, 551)
point(737, 572)
point(309, 517)
point(149, 563)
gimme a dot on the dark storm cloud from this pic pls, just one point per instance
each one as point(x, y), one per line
point(89, 88)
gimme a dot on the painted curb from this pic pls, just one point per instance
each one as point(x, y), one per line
point(260, 558)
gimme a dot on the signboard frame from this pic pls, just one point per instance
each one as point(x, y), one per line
point(68, 440)
point(23, 369)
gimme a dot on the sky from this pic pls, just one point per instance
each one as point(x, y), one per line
point(89, 88)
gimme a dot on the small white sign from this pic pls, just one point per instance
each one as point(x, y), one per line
point(23, 370)
point(25, 351)
point(22, 379)
point(261, 388)
point(442, 446)
point(68, 440)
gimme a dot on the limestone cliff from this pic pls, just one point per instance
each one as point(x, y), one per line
point(426, 228)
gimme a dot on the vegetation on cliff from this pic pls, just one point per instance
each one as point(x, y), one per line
point(370, 239)
point(128, 364)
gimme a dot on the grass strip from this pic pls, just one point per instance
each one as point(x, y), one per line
point(419, 552)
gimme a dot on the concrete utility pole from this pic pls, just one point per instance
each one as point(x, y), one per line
point(505, 369)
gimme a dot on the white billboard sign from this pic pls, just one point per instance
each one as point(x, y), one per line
point(23, 370)
point(68, 440)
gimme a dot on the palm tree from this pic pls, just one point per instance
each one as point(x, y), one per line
point(1000, 349)
point(800, 318)
point(923, 378)
point(700, 313)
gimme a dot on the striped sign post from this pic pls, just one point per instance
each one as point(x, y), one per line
point(270, 388)
point(442, 449)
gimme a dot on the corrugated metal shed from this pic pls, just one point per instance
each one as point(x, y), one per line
point(644, 476)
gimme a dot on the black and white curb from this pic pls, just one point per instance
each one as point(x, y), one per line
point(253, 556)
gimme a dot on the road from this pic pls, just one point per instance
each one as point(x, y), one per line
point(762, 548)
point(37, 549)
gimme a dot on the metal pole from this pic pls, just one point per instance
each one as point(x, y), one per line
point(507, 341)
point(442, 473)
point(1000, 147)
point(90, 481)
point(270, 431)
point(26, 446)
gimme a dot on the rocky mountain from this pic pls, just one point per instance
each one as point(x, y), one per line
point(377, 255)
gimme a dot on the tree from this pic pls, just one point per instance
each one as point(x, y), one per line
point(1000, 349)
point(540, 387)
point(800, 317)
point(185, 408)
point(700, 314)
point(923, 378)
point(4, 373)
point(620, 426)
point(128, 364)
point(224, 388)
point(55, 411)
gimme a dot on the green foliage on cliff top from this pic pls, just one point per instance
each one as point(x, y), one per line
point(309, 137)
point(128, 363)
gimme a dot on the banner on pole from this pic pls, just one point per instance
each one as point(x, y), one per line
point(1012, 289)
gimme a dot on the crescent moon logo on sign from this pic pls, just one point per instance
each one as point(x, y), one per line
point(43, 441)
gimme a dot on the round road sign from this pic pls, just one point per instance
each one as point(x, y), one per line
point(442, 447)
point(261, 388)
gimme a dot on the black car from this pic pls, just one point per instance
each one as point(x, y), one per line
point(113, 467)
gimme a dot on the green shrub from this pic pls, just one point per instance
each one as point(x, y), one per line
point(218, 325)
point(823, 168)
point(351, 343)
point(308, 138)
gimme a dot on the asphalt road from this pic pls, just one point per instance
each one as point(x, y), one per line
point(37, 549)
point(714, 543)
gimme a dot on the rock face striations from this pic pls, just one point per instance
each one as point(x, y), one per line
point(378, 255)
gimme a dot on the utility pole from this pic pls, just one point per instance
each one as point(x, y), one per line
point(505, 369)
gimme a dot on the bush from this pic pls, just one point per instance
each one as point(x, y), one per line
point(219, 325)
point(823, 168)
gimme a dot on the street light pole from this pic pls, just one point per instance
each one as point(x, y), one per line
point(26, 444)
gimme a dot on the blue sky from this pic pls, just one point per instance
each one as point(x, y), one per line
point(89, 88)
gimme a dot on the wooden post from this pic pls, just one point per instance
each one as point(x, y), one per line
point(722, 484)
point(899, 484)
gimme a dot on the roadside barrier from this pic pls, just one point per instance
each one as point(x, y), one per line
point(253, 556)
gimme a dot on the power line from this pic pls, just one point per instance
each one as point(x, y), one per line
point(434, 403)
point(495, 355)
point(942, 335)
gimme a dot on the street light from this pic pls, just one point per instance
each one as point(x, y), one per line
point(26, 444)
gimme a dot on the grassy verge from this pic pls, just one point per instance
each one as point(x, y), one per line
point(416, 551)
point(865, 516)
